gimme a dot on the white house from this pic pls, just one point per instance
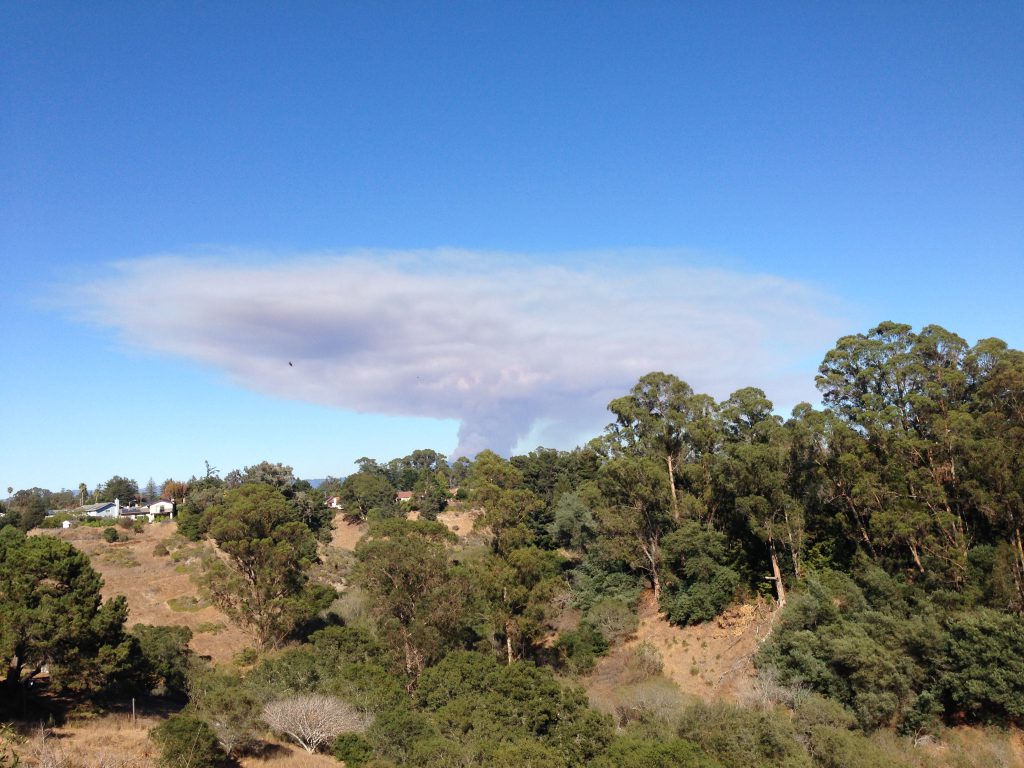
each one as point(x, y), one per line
point(162, 507)
point(103, 509)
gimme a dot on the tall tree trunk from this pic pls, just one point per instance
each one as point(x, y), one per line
point(672, 485)
point(917, 557)
point(780, 588)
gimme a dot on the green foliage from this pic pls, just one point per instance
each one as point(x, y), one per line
point(54, 617)
point(577, 649)
point(597, 579)
point(573, 525)
point(186, 740)
point(230, 706)
point(26, 509)
point(110, 535)
point(417, 596)
point(475, 699)
point(353, 748)
point(613, 618)
point(165, 657)
point(701, 582)
point(737, 736)
point(190, 521)
point(263, 582)
point(983, 664)
point(638, 752)
point(364, 495)
point(120, 488)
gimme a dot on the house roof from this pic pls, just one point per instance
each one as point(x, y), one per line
point(89, 508)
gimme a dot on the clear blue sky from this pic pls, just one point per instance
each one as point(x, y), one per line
point(856, 161)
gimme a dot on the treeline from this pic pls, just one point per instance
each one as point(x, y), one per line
point(886, 528)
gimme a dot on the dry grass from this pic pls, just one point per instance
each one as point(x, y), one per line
point(289, 756)
point(710, 661)
point(153, 584)
point(113, 741)
point(346, 535)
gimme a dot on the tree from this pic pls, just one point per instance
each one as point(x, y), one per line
point(166, 657)
point(26, 509)
point(754, 472)
point(120, 488)
point(262, 582)
point(53, 617)
point(418, 597)
point(314, 719)
point(228, 705)
point(185, 740)
point(655, 419)
point(367, 492)
point(636, 516)
point(519, 586)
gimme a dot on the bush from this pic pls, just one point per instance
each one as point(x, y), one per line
point(984, 659)
point(185, 740)
point(644, 661)
point(165, 656)
point(313, 719)
point(353, 748)
point(614, 619)
point(702, 580)
point(577, 650)
point(110, 535)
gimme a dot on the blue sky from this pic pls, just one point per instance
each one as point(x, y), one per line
point(474, 224)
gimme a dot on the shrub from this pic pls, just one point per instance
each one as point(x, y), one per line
point(579, 648)
point(110, 535)
point(185, 740)
point(984, 658)
point(165, 656)
point(644, 661)
point(353, 748)
point(314, 719)
point(614, 619)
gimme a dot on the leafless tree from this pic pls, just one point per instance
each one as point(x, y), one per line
point(313, 719)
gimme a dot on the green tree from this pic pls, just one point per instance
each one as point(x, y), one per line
point(262, 583)
point(186, 740)
point(166, 657)
point(120, 488)
point(417, 596)
point(755, 474)
point(53, 617)
point(637, 515)
point(367, 494)
point(656, 419)
point(26, 509)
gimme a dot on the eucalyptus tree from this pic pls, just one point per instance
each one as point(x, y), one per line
point(755, 473)
point(662, 417)
point(636, 515)
point(906, 394)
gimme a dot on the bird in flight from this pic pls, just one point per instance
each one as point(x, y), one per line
point(290, 364)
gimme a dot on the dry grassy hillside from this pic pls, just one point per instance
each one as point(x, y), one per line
point(159, 588)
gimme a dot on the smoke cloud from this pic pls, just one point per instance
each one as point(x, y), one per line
point(511, 347)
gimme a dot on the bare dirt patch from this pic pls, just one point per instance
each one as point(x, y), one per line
point(459, 519)
point(157, 587)
point(346, 535)
point(712, 661)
